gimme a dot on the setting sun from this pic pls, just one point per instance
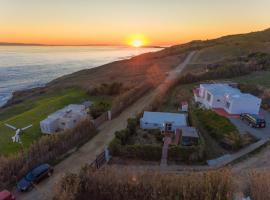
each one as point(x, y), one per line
point(137, 43)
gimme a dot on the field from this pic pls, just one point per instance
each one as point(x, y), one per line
point(259, 78)
point(32, 112)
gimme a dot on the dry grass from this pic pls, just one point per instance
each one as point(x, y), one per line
point(259, 185)
point(114, 184)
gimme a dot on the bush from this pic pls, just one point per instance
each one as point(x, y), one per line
point(99, 108)
point(114, 88)
point(115, 147)
point(122, 136)
point(132, 125)
point(115, 184)
point(45, 150)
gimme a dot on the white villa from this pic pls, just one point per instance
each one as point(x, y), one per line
point(64, 119)
point(223, 96)
point(163, 121)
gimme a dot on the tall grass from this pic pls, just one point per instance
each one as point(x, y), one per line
point(115, 184)
point(259, 185)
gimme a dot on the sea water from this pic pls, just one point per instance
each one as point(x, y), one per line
point(23, 67)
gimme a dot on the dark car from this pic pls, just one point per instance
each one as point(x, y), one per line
point(6, 195)
point(34, 176)
point(254, 121)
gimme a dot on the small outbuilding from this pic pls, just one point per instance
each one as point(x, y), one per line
point(164, 121)
point(189, 136)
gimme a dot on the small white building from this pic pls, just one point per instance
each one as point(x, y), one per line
point(163, 121)
point(64, 119)
point(223, 96)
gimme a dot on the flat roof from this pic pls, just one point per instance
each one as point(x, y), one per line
point(190, 132)
point(161, 117)
point(225, 89)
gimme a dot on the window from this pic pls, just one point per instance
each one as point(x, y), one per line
point(208, 97)
point(218, 100)
point(168, 127)
point(228, 104)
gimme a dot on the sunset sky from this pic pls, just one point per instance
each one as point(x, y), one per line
point(157, 22)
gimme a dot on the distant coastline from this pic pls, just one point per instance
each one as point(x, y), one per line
point(51, 45)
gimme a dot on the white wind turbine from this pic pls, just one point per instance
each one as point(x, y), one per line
point(16, 137)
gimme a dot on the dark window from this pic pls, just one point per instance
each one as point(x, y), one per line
point(208, 97)
point(228, 104)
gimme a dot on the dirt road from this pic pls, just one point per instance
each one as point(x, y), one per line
point(88, 152)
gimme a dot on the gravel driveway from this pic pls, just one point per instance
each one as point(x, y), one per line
point(259, 133)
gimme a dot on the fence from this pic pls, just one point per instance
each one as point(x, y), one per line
point(102, 118)
point(101, 159)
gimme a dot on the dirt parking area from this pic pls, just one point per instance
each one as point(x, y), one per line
point(259, 133)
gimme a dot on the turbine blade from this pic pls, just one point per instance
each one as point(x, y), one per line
point(26, 127)
point(10, 126)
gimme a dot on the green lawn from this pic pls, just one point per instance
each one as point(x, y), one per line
point(259, 78)
point(32, 112)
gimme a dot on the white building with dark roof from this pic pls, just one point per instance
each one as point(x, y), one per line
point(223, 96)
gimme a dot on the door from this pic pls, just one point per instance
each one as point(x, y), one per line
point(168, 127)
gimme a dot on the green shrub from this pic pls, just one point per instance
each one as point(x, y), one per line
point(115, 147)
point(132, 125)
point(99, 108)
point(122, 136)
point(114, 88)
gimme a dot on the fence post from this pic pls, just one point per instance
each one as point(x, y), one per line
point(107, 154)
point(109, 115)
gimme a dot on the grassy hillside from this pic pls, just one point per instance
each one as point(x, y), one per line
point(32, 112)
point(259, 78)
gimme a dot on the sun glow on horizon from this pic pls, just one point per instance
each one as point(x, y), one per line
point(137, 43)
point(137, 40)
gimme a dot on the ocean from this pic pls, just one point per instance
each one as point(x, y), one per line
point(23, 67)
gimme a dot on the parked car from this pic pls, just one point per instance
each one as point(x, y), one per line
point(254, 121)
point(6, 195)
point(34, 176)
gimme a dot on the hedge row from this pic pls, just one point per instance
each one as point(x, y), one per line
point(178, 153)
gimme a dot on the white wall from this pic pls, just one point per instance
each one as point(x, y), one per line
point(48, 126)
point(239, 106)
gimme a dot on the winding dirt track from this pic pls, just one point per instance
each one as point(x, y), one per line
point(88, 152)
